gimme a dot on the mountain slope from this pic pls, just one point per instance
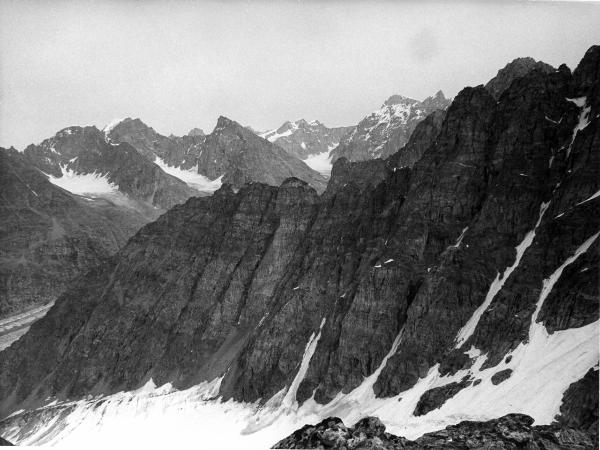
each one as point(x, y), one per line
point(49, 236)
point(386, 130)
point(459, 288)
point(82, 161)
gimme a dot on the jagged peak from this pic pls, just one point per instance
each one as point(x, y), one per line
point(225, 123)
point(439, 95)
point(398, 99)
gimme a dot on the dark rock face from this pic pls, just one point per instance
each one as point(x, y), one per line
point(436, 397)
point(388, 129)
point(332, 433)
point(48, 236)
point(86, 151)
point(501, 376)
point(231, 151)
point(5, 443)
point(236, 284)
point(579, 408)
point(515, 69)
point(302, 139)
point(514, 431)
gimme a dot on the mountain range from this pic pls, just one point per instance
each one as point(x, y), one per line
point(231, 154)
point(454, 283)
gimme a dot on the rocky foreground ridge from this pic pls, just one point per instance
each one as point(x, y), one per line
point(463, 285)
point(514, 431)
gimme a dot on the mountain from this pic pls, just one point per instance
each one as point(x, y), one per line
point(230, 154)
point(311, 142)
point(515, 69)
point(82, 161)
point(462, 288)
point(49, 236)
point(386, 130)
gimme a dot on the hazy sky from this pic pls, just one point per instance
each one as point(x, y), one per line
point(181, 64)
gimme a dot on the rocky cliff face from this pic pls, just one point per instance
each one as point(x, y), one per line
point(82, 161)
point(472, 270)
point(515, 69)
point(302, 139)
point(230, 154)
point(48, 236)
point(386, 130)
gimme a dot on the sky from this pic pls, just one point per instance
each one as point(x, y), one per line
point(181, 64)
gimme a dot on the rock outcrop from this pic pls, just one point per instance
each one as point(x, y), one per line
point(514, 431)
point(405, 279)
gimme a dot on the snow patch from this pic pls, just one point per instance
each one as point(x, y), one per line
point(321, 162)
point(592, 197)
point(583, 118)
point(83, 183)
point(191, 176)
point(460, 238)
point(289, 401)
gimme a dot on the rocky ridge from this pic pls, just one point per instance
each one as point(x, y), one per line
point(514, 431)
point(392, 279)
